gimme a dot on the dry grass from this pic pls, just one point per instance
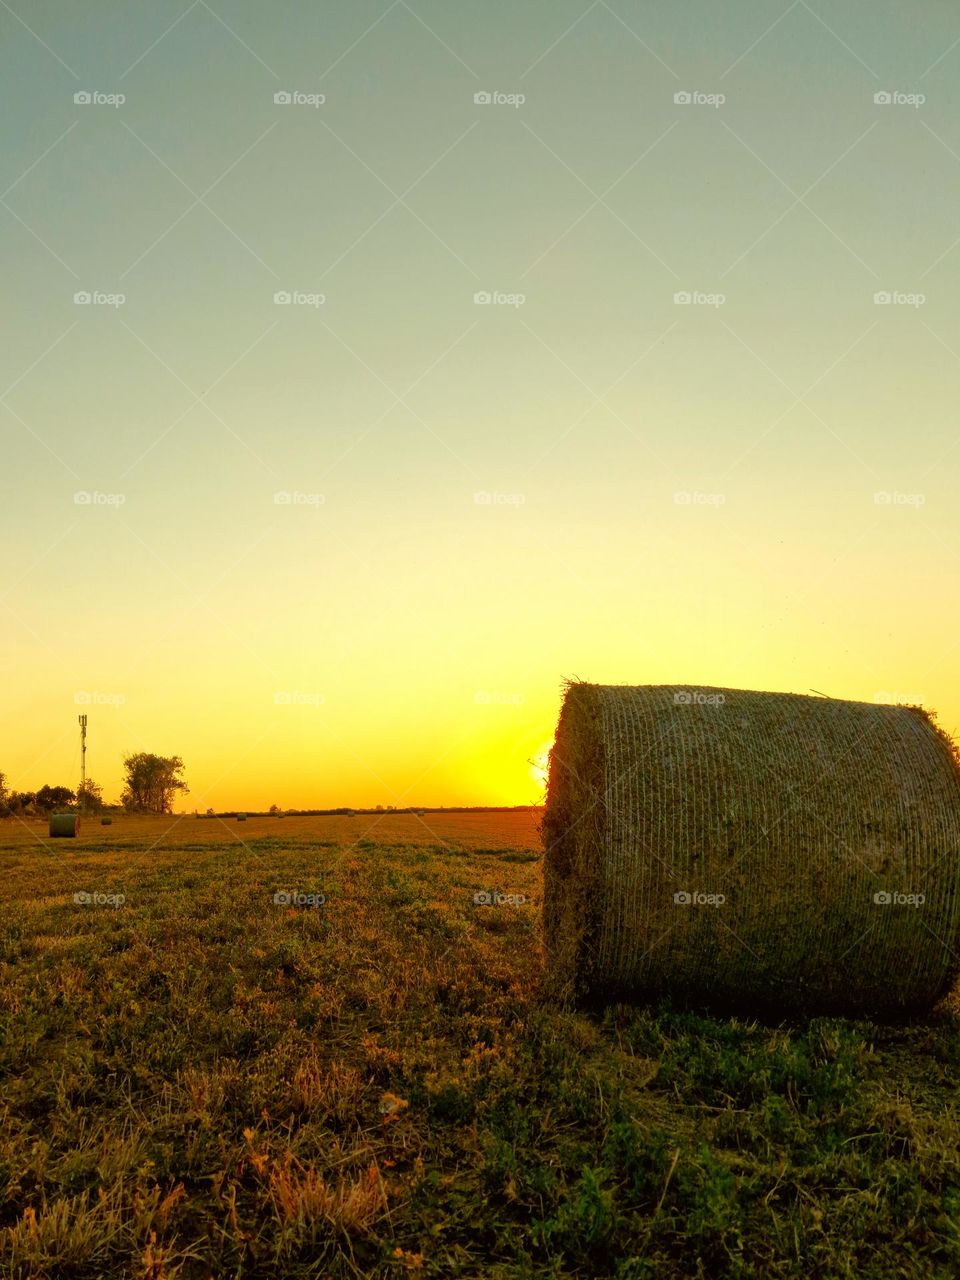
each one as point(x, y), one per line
point(201, 1084)
point(518, 830)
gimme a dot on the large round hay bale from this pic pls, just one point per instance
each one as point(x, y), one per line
point(64, 824)
point(761, 852)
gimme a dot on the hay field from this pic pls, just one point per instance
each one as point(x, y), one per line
point(517, 829)
point(199, 1082)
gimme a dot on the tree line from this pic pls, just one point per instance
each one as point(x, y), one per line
point(151, 784)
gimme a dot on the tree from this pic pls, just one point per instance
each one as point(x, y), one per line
point(49, 798)
point(22, 801)
point(4, 808)
point(90, 797)
point(152, 782)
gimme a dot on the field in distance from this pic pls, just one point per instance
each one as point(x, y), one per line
point(199, 1080)
point(513, 828)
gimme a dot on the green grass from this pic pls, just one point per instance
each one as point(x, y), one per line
point(201, 1084)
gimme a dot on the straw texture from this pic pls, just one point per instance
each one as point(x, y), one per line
point(778, 819)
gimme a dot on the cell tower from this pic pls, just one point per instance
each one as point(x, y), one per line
point(83, 760)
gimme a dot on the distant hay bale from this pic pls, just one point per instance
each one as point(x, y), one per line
point(241, 817)
point(752, 851)
point(105, 822)
point(64, 825)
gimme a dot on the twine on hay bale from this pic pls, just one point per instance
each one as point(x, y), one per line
point(727, 847)
point(64, 825)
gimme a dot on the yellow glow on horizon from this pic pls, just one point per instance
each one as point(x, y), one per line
point(540, 764)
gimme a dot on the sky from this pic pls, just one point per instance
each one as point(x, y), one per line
point(520, 343)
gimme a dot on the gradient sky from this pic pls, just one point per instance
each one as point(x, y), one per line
point(399, 642)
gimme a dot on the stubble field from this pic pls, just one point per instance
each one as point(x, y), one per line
point(201, 1080)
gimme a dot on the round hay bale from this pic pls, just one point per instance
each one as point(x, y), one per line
point(241, 817)
point(758, 852)
point(105, 822)
point(64, 825)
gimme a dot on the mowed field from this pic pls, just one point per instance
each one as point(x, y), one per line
point(513, 829)
point(199, 1081)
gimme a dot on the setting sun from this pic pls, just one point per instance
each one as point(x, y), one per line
point(540, 764)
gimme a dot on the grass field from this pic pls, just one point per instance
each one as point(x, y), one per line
point(201, 1082)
